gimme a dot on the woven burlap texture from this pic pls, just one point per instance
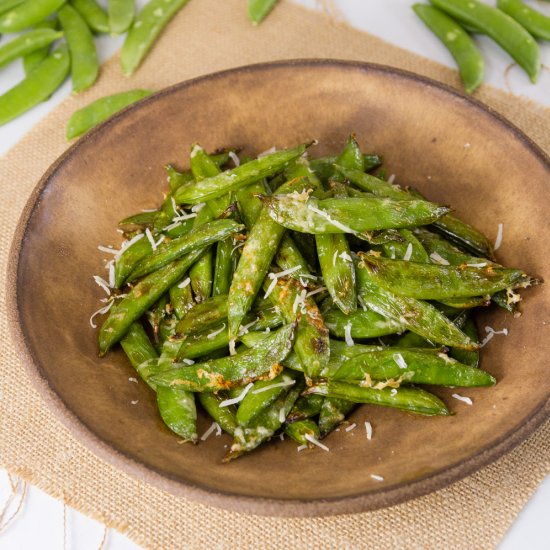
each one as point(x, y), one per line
point(207, 36)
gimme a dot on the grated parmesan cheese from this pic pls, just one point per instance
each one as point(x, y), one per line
point(282, 415)
point(239, 397)
point(345, 256)
point(393, 392)
point(377, 477)
point(368, 429)
point(283, 384)
point(234, 158)
point(398, 358)
point(213, 335)
point(111, 267)
point(438, 259)
point(232, 350)
point(133, 379)
point(498, 240)
point(267, 152)
point(100, 311)
point(408, 252)
point(316, 442)
point(466, 400)
point(135, 402)
point(214, 427)
point(490, 333)
point(347, 335)
point(316, 291)
point(149, 235)
point(362, 302)
point(351, 427)
point(391, 179)
point(183, 217)
point(301, 448)
point(108, 249)
point(336, 223)
point(483, 264)
point(171, 226)
point(103, 284)
point(185, 282)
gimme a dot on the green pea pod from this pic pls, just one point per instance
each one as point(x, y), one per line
point(352, 215)
point(467, 302)
point(248, 202)
point(532, 20)
point(177, 179)
point(453, 228)
point(306, 406)
point(224, 267)
point(258, 9)
point(409, 248)
point(470, 358)
point(459, 43)
point(504, 30)
point(128, 259)
point(333, 412)
point(204, 315)
point(411, 366)
point(414, 315)
point(101, 109)
point(34, 58)
point(265, 426)
point(176, 406)
point(150, 22)
point(142, 219)
point(84, 64)
point(140, 298)
point(408, 399)
point(219, 374)
point(178, 411)
point(260, 247)
point(438, 282)
point(238, 177)
point(6, 5)
point(224, 416)
point(204, 235)
point(27, 14)
point(139, 350)
point(300, 429)
point(121, 14)
point(312, 337)
point(359, 324)
point(288, 257)
point(324, 167)
point(93, 14)
point(155, 314)
point(262, 394)
point(181, 298)
point(36, 87)
point(27, 43)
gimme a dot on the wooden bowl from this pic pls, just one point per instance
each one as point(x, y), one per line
point(451, 147)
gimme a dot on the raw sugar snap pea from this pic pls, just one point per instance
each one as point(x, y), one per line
point(36, 87)
point(241, 176)
point(504, 30)
point(235, 370)
point(535, 22)
point(101, 109)
point(121, 14)
point(27, 43)
point(408, 399)
point(34, 58)
point(459, 43)
point(26, 14)
point(6, 5)
point(148, 24)
point(258, 9)
point(93, 14)
point(84, 64)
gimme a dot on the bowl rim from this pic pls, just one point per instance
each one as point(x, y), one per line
point(382, 498)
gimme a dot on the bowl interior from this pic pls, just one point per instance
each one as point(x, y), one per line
point(447, 146)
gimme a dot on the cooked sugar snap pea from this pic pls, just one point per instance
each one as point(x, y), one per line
point(438, 282)
point(101, 109)
point(405, 398)
point(235, 370)
point(356, 216)
point(333, 412)
point(505, 31)
point(302, 431)
point(459, 43)
point(241, 176)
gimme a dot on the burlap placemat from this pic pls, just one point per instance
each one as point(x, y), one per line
point(209, 35)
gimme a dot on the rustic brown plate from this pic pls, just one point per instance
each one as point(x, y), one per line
point(451, 147)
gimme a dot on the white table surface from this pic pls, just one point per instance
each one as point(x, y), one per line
point(42, 522)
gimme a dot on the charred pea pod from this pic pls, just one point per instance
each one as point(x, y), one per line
point(333, 412)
